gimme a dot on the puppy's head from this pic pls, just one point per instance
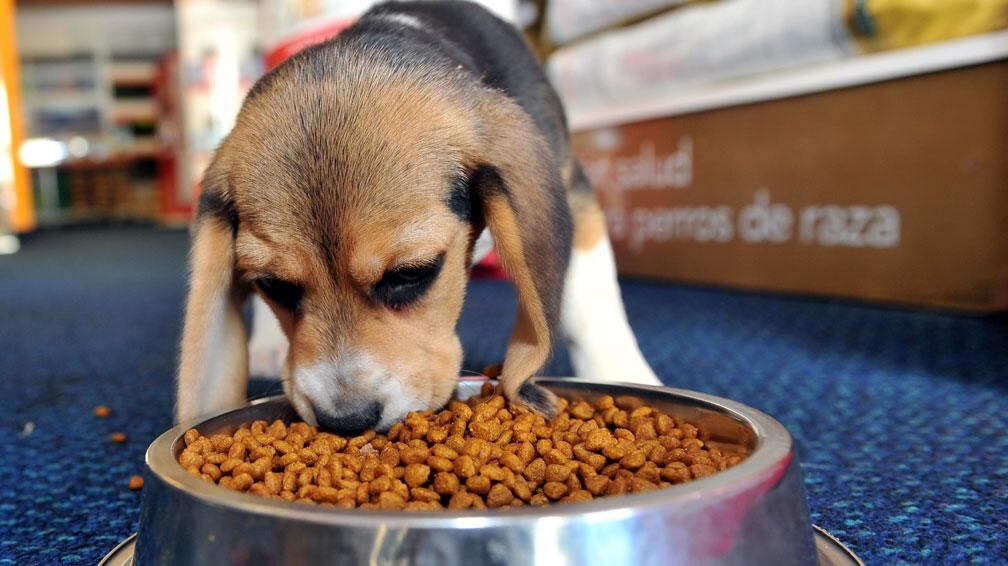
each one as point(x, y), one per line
point(351, 192)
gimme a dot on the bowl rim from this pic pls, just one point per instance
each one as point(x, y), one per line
point(769, 460)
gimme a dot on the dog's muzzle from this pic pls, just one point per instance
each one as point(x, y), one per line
point(350, 423)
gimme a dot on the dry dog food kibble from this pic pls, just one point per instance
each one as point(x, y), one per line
point(478, 453)
point(135, 483)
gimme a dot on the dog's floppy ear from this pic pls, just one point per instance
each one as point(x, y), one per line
point(213, 366)
point(518, 187)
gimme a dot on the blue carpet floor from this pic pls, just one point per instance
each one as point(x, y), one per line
point(901, 417)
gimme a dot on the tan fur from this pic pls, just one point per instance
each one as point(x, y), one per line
point(530, 341)
point(589, 221)
point(567, 172)
point(335, 185)
point(213, 366)
point(515, 148)
point(378, 207)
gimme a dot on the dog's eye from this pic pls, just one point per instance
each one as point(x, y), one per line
point(283, 293)
point(405, 285)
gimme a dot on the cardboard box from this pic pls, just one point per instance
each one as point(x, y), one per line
point(892, 190)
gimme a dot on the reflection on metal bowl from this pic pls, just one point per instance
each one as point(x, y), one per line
point(753, 513)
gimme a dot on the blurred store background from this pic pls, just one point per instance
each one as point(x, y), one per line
point(808, 201)
point(852, 148)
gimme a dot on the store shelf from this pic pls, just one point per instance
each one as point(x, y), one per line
point(856, 71)
point(110, 102)
point(133, 72)
point(134, 110)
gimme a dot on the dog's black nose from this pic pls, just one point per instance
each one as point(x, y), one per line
point(352, 422)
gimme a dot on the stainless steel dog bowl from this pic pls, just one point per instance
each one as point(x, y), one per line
point(754, 513)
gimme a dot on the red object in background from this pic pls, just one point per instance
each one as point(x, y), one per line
point(305, 38)
point(174, 210)
point(489, 268)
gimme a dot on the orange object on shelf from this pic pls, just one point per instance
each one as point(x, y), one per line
point(23, 215)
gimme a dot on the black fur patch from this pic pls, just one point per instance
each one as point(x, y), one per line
point(487, 182)
point(486, 46)
point(402, 287)
point(459, 199)
point(215, 205)
point(284, 293)
point(579, 181)
point(538, 398)
point(468, 193)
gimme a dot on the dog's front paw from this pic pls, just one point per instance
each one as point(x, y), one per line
point(539, 399)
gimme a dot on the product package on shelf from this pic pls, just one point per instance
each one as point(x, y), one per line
point(711, 42)
point(878, 25)
point(569, 19)
point(696, 44)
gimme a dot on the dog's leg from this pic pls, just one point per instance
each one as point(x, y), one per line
point(268, 345)
point(601, 344)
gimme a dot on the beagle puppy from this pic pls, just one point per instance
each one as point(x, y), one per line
point(349, 197)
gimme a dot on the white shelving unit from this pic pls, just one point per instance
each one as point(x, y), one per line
point(89, 82)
